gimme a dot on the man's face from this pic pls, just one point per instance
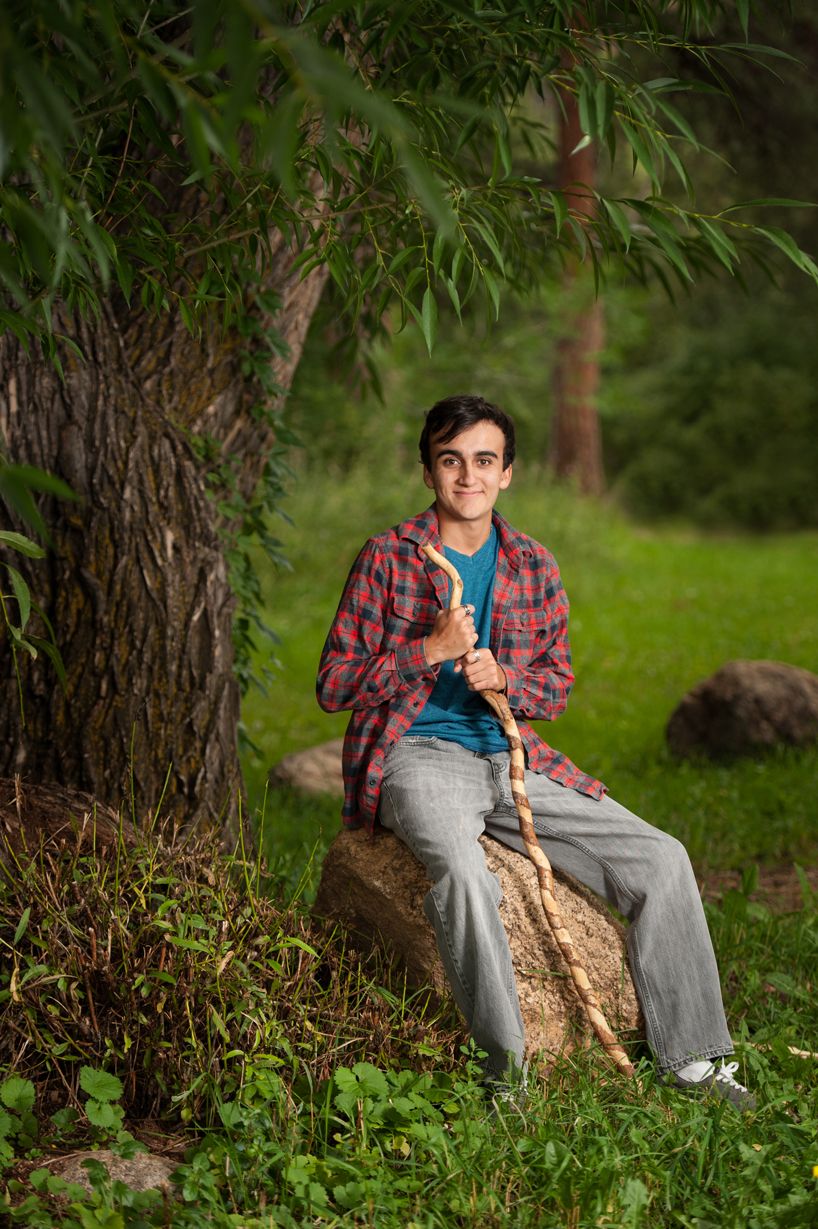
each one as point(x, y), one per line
point(467, 472)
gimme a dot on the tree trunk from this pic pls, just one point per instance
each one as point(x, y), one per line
point(576, 444)
point(136, 582)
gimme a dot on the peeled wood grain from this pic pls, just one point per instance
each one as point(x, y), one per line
point(500, 707)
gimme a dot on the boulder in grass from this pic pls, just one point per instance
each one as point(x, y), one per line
point(375, 887)
point(745, 708)
point(143, 1172)
point(317, 770)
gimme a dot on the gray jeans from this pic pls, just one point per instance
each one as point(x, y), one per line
point(439, 797)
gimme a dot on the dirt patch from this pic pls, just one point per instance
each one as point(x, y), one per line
point(778, 888)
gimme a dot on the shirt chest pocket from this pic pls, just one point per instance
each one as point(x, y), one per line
point(410, 617)
point(521, 629)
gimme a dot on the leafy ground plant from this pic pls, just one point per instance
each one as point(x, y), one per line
point(18, 1126)
point(171, 966)
point(102, 1109)
point(348, 1103)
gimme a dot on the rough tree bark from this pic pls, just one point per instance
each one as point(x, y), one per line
point(576, 443)
point(136, 582)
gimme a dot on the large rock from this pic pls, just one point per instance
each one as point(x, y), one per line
point(375, 887)
point(143, 1172)
point(744, 708)
point(317, 770)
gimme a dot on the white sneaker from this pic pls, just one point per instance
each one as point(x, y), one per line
point(717, 1082)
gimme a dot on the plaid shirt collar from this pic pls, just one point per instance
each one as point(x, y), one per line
point(424, 528)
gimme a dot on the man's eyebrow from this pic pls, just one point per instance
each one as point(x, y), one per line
point(453, 452)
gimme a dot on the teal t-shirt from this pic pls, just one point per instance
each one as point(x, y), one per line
point(452, 711)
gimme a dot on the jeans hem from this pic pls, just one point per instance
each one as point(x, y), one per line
point(705, 1055)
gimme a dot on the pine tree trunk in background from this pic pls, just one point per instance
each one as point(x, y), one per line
point(576, 443)
point(136, 583)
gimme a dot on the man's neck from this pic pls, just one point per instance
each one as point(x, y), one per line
point(466, 537)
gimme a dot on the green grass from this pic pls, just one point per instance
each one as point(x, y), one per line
point(326, 1094)
point(311, 1122)
point(652, 613)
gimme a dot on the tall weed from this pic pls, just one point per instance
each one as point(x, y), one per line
point(174, 967)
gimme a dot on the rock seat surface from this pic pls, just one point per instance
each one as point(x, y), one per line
point(375, 887)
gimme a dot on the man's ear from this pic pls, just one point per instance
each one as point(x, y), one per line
point(505, 478)
point(427, 478)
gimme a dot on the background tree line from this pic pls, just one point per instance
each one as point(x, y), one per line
point(706, 396)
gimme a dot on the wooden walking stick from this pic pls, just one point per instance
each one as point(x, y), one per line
point(545, 875)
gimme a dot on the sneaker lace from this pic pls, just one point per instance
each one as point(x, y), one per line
point(725, 1074)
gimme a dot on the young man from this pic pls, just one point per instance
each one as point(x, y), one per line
point(425, 757)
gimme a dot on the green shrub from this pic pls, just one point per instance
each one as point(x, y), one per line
point(170, 966)
point(18, 1125)
point(718, 422)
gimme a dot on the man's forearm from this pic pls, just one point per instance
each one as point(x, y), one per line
point(538, 694)
point(347, 680)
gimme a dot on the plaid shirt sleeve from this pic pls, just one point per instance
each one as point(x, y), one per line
point(355, 672)
point(538, 669)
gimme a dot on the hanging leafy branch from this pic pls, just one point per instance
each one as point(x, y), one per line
point(384, 141)
point(17, 484)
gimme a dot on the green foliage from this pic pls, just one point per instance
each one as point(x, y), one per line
point(244, 519)
point(18, 1125)
point(376, 1118)
point(20, 636)
point(17, 1094)
point(21, 1134)
point(718, 425)
point(393, 149)
point(46, 1200)
point(163, 968)
point(17, 482)
point(373, 1145)
point(102, 1090)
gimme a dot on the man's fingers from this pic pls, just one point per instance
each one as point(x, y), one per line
point(483, 674)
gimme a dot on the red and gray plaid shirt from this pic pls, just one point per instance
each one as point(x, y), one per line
point(373, 660)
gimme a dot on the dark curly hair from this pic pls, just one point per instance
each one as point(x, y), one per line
point(447, 418)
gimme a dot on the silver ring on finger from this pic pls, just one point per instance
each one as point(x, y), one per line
point(476, 655)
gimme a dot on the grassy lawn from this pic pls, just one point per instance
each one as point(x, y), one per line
point(319, 1090)
point(653, 611)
